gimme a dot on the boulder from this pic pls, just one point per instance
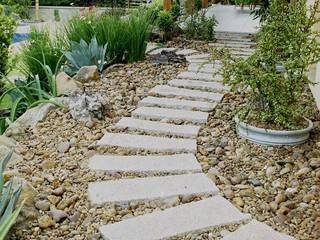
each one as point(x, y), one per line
point(4, 152)
point(87, 74)
point(66, 85)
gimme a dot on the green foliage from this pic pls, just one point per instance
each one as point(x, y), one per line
point(126, 36)
point(7, 28)
point(20, 7)
point(263, 10)
point(175, 10)
point(84, 54)
point(286, 41)
point(42, 51)
point(56, 15)
point(81, 3)
point(166, 24)
point(200, 27)
point(192, 6)
point(9, 197)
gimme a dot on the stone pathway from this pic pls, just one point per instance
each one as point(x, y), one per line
point(170, 119)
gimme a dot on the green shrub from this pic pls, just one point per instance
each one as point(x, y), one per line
point(166, 24)
point(200, 27)
point(20, 7)
point(7, 28)
point(42, 50)
point(274, 78)
point(9, 197)
point(192, 6)
point(85, 54)
point(175, 10)
point(56, 14)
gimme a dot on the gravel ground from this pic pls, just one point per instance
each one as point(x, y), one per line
point(277, 185)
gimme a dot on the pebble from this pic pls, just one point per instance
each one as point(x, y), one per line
point(281, 197)
point(58, 215)
point(42, 205)
point(46, 222)
point(314, 162)
point(63, 147)
point(302, 172)
point(228, 193)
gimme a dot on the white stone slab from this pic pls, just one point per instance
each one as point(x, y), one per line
point(177, 104)
point(186, 52)
point(199, 60)
point(233, 46)
point(158, 127)
point(178, 164)
point(150, 188)
point(151, 47)
point(151, 143)
point(155, 113)
point(159, 50)
point(200, 76)
point(192, 217)
point(199, 56)
point(167, 91)
point(206, 68)
point(256, 231)
point(235, 42)
point(198, 85)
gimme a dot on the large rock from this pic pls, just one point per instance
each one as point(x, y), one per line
point(4, 152)
point(87, 74)
point(66, 85)
point(29, 119)
point(86, 107)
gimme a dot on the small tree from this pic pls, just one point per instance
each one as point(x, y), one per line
point(274, 77)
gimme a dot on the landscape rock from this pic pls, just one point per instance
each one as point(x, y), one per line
point(66, 85)
point(42, 205)
point(4, 151)
point(58, 215)
point(87, 74)
point(46, 222)
point(63, 147)
point(314, 162)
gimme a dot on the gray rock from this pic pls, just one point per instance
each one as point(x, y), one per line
point(58, 215)
point(314, 162)
point(63, 147)
point(4, 152)
point(42, 205)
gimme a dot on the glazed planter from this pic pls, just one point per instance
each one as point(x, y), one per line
point(270, 137)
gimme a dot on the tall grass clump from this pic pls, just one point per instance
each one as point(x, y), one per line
point(81, 27)
point(42, 51)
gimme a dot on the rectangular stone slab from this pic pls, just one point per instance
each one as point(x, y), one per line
point(192, 217)
point(230, 45)
point(200, 76)
point(155, 113)
point(256, 231)
point(159, 50)
point(124, 191)
point(198, 85)
point(168, 91)
point(151, 143)
point(186, 52)
point(177, 104)
point(177, 163)
point(206, 68)
point(199, 56)
point(156, 127)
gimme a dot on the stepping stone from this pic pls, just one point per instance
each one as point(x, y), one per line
point(239, 53)
point(187, 218)
point(158, 127)
point(186, 52)
point(177, 104)
point(256, 231)
point(151, 47)
point(199, 60)
point(235, 42)
point(167, 91)
point(178, 164)
point(151, 143)
point(155, 113)
point(204, 68)
point(199, 56)
point(146, 189)
point(200, 76)
point(230, 45)
point(159, 50)
point(199, 85)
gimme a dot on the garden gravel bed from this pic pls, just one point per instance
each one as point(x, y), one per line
point(277, 185)
point(55, 156)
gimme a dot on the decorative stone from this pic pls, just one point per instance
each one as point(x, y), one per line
point(46, 222)
point(66, 85)
point(87, 74)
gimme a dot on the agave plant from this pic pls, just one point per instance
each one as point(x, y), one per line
point(8, 199)
point(84, 54)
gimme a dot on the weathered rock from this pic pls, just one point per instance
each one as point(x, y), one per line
point(54, 199)
point(314, 162)
point(302, 172)
point(45, 222)
point(47, 164)
point(7, 142)
point(228, 193)
point(64, 203)
point(87, 74)
point(66, 85)
point(42, 205)
point(58, 191)
point(58, 215)
point(4, 151)
point(280, 198)
point(63, 147)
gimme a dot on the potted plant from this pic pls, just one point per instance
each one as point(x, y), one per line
point(274, 79)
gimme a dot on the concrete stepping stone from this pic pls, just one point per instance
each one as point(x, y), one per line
point(168, 91)
point(146, 189)
point(159, 50)
point(151, 47)
point(256, 231)
point(199, 60)
point(186, 52)
point(154, 113)
point(199, 56)
point(191, 217)
point(158, 127)
point(204, 68)
point(198, 85)
point(177, 104)
point(235, 42)
point(233, 46)
point(178, 164)
point(151, 143)
point(200, 76)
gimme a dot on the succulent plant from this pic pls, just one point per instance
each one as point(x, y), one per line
point(84, 54)
point(9, 195)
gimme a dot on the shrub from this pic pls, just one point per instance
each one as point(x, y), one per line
point(274, 78)
point(84, 54)
point(192, 6)
point(200, 27)
point(42, 50)
point(166, 24)
point(9, 197)
point(175, 10)
point(20, 7)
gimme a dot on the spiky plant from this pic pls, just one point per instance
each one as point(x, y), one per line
point(9, 196)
